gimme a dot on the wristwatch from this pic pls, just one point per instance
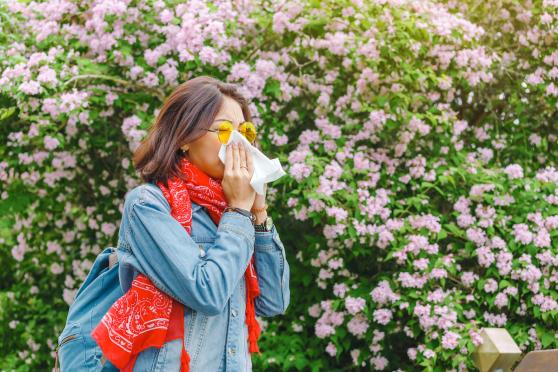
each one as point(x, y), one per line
point(264, 226)
point(243, 212)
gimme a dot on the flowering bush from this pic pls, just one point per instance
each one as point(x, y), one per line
point(419, 138)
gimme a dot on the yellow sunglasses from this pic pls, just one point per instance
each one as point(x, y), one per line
point(247, 129)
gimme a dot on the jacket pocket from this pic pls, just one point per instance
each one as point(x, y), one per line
point(204, 243)
point(147, 359)
point(70, 352)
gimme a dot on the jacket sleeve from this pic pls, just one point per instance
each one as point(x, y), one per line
point(273, 274)
point(170, 258)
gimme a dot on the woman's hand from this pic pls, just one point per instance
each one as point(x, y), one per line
point(239, 168)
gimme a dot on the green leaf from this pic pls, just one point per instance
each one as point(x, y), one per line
point(7, 112)
point(547, 339)
point(273, 88)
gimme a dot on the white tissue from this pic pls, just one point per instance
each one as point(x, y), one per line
point(265, 169)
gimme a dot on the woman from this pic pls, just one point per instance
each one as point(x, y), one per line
point(205, 268)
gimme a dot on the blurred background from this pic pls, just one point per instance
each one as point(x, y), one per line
point(419, 138)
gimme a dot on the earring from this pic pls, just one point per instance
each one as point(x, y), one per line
point(185, 148)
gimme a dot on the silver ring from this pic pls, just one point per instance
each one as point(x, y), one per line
point(243, 166)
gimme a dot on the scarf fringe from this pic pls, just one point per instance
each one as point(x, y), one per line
point(254, 329)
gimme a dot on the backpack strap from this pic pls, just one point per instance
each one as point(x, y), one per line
point(113, 260)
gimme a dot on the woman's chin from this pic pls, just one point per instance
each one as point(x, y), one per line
point(218, 176)
point(220, 173)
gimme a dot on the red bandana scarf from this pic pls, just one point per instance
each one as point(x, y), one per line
point(145, 316)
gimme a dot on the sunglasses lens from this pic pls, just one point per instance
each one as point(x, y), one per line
point(248, 130)
point(225, 130)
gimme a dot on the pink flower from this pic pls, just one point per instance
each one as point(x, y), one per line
point(314, 310)
point(336, 318)
point(340, 214)
point(491, 286)
point(108, 228)
point(485, 256)
point(501, 300)
point(495, 319)
point(47, 75)
point(30, 87)
point(450, 340)
point(476, 235)
point(300, 171)
point(417, 125)
point(429, 353)
point(522, 234)
point(169, 71)
point(514, 171)
point(427, 221)
point(382, 316)
point(152, 56)
point(358, 325)
point(277, 139)
point(211, 56)
point(332, 231)
point(412, 281)
point(475, 337)
point(18, 252)
point(542, 239)
point(383, 294)
point(56, 268)
point(546, 18)
point(280, 22)
point(331, 349)
point(354, 305)
point(465, 220)
point(51, 143)
point(166, 16)
point(504, 262)
point(438, 273)
point(135, 71)
point(468, 278)
point(339, 289)
point(421, 263)
point(379, 363)
point(323, 330)
point(69, 295)
point(54, 247)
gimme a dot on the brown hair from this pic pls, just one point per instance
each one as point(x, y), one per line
point(189, 109)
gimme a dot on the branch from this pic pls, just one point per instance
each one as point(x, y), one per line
point(160, 94)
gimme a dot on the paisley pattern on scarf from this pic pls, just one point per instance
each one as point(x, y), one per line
point(156, 313)
point(147, 317)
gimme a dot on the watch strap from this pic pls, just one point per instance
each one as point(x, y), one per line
point(265, 226)
point(260, 227)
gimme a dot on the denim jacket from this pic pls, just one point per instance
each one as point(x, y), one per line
point(205, 272)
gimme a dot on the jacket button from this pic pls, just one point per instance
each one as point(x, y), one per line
point(234, 313)
point(232, 350)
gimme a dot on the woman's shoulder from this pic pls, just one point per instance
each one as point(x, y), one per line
point(144, 193)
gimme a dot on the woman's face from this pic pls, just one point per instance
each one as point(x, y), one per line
point(203, 152)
